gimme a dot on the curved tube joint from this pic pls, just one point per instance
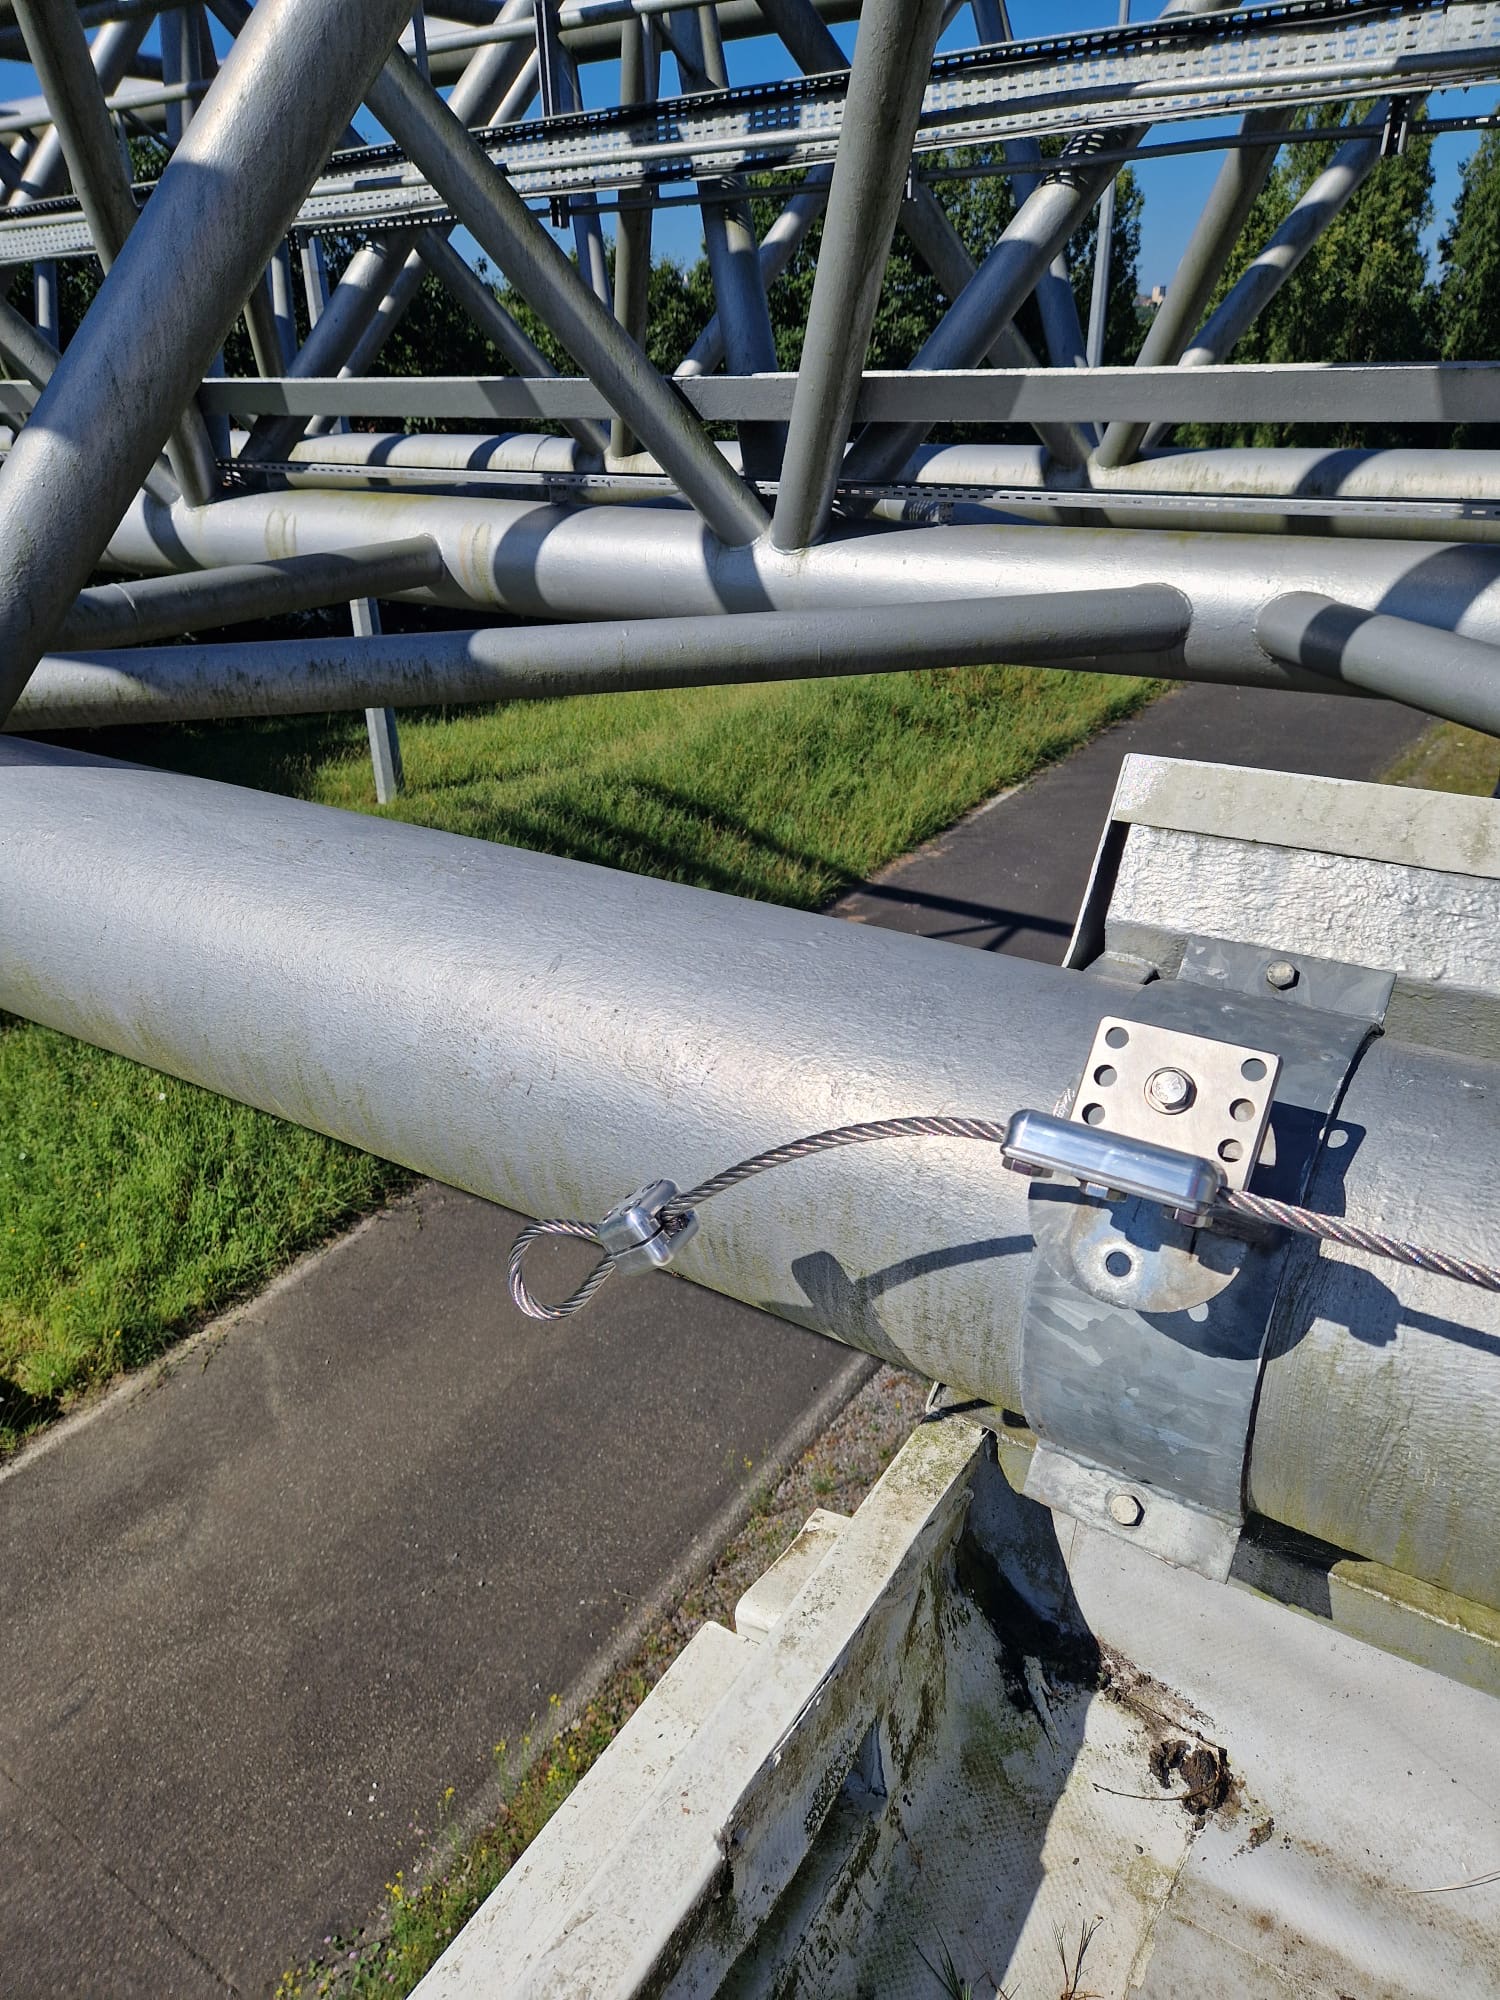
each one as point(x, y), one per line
point(1441, 672)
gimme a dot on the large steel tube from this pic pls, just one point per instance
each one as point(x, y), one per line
point(649, 562)
point(1447, 675)
point(550, 1035)
point(288, 677)
point(222, 206)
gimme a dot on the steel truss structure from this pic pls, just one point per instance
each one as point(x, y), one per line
point(833, 498)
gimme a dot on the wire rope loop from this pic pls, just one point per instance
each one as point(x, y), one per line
point(535, 1308)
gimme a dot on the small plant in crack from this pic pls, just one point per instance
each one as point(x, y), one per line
point(947, 1975)
point(1072, 1960)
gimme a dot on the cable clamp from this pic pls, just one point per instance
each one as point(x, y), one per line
point(640, 1235)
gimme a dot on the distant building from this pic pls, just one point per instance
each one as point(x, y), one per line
point(1150, 301)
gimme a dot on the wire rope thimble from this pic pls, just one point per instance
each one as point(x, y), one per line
point(640, 1234)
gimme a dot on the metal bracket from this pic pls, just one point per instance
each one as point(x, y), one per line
point(1143, 1331)
point(1187, 1092)
point(1134, 1510)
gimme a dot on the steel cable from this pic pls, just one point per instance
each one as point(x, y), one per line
point(1303, 1221)
point(1334, 1229)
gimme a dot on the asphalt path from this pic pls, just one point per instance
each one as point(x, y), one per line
point(262, 1606)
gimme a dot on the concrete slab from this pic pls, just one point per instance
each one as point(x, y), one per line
point(261, 1608)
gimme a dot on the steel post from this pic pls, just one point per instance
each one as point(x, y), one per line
point(380, 721)
point(483, 199)
point(224, 202)
point(541, 663)
point(47, 301)
point(892, 57)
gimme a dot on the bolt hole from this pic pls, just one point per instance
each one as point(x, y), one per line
point(1242, 1109)
point(1105, 1076)
point(1252, 1069)
point(1118, 1264)
point(1116, 1037)
point(1231, 1149)
point(1338, 1136)
point(1093, 1114)
point(1197, 1314)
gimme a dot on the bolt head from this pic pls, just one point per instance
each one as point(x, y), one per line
point(1169, 1090)
point(1126, 1510)
point(1282, 974)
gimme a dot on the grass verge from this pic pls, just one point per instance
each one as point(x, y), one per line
point(422, 1914)
point(133, 1206)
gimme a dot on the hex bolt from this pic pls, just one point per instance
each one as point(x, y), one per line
point(1282, 974)
point(1126, 1510)
point(1169, 1090)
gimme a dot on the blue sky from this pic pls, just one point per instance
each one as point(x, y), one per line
point(1174, 189)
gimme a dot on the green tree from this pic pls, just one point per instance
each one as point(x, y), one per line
point(1467, 295)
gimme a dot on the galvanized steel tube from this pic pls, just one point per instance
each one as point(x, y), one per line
point(892, 58)
point(531, 663)
point(157, 607)
point(550, 1035)
point(585, 563)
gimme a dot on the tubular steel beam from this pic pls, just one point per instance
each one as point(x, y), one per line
point(1448, 392)
point(222, 206)
point(511, 234)
point(892, 54)
point(538, 663)
point(1441, 672)
point(507, 1058)
point(1262, 279)
point(158, 607)
point(536, 561)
